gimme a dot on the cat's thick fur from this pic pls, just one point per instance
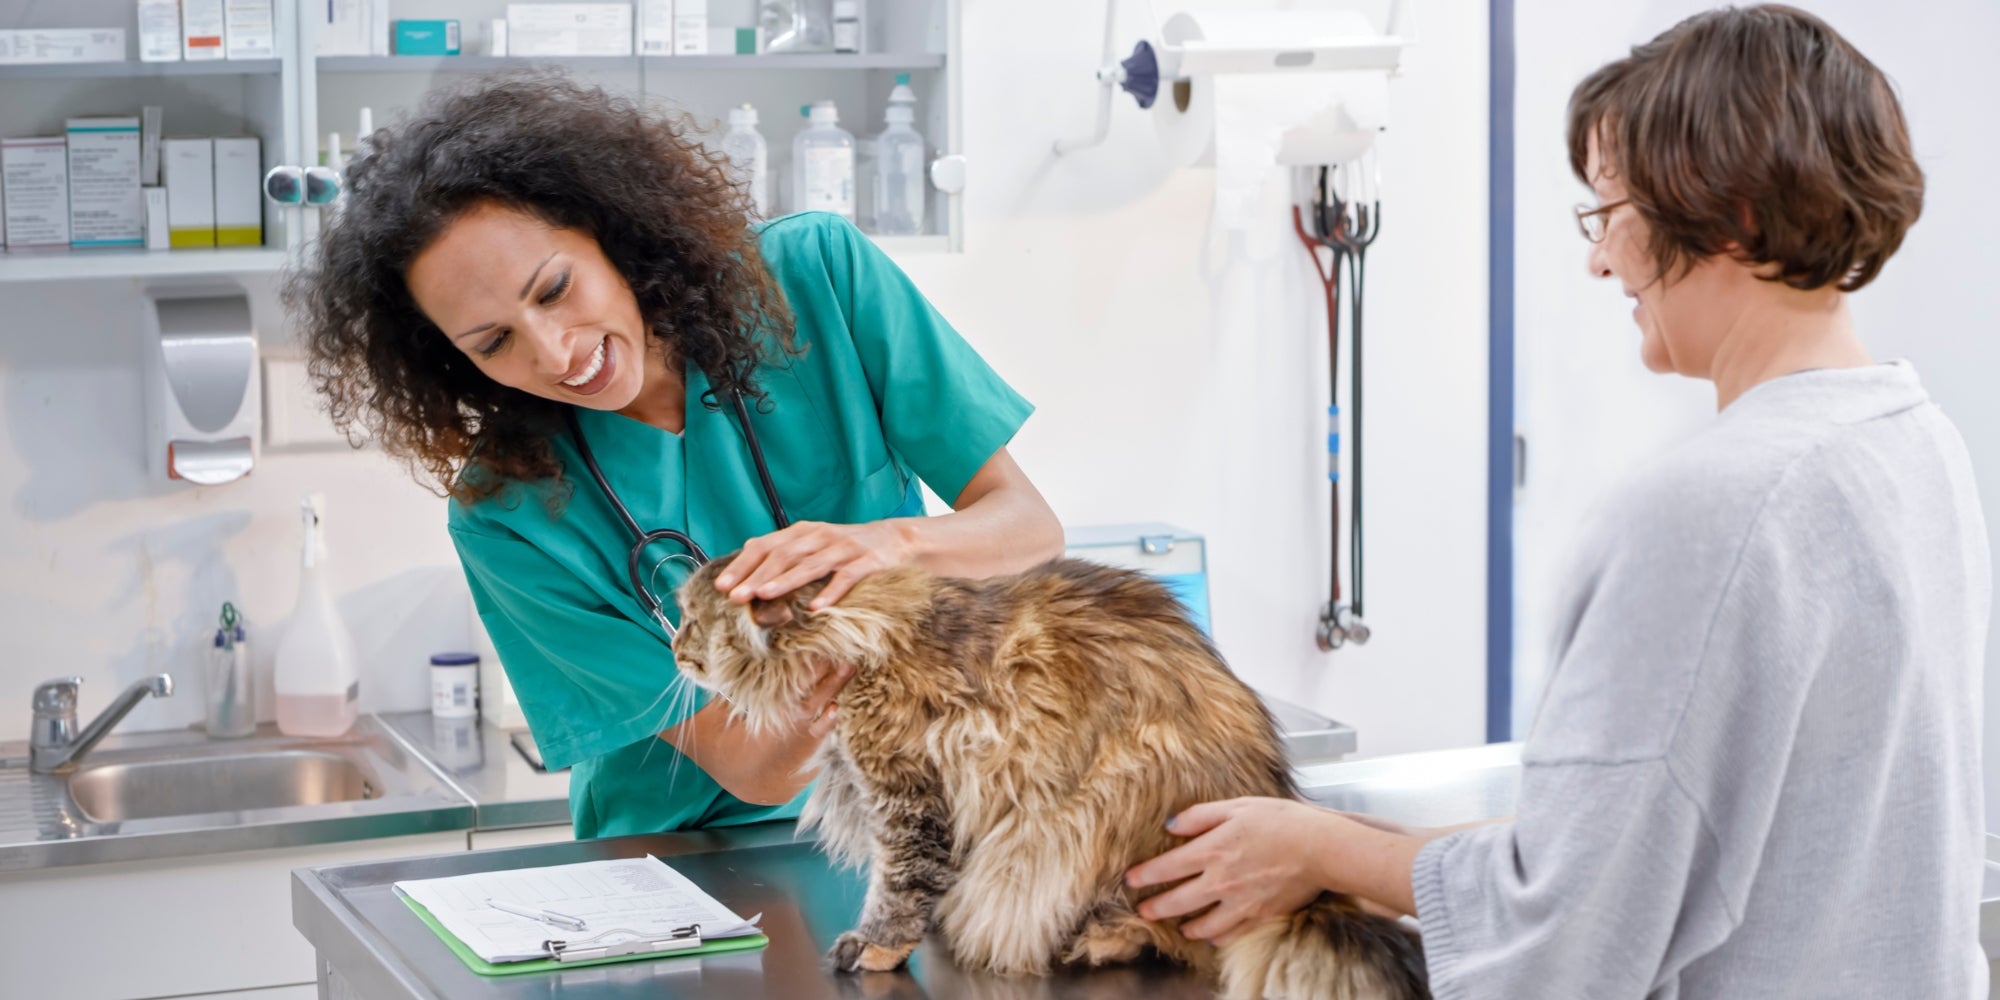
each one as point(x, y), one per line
point(1007, 749)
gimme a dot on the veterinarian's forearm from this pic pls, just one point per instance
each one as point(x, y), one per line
point(757, 771)
point(1000, 525)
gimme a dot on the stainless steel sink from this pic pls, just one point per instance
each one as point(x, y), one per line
point(110, 793)
point(165, 794)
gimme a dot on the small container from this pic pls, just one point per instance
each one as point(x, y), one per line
point(455, 685)
point(231, 703)
point(846, 25)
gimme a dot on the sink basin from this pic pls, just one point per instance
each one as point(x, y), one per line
point(109, 793)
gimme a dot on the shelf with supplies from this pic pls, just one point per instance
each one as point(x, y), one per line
point(305, 107)
point(129, 69)
point(914, 61)
point(61, 265)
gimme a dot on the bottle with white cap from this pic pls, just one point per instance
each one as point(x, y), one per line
point(314, 674)
point(899, 166)
point(823, 164)
point(749, 158)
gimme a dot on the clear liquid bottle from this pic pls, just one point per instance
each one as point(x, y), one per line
point(797, 25)
point(899, 167)
point(823, 164)
point(749, 158)
point(314, 679)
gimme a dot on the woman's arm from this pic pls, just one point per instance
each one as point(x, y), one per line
point(999, 524)
point(767, 769)
point(1255, 859)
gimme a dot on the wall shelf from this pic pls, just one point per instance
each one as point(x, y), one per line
point(128, 69)
point(58, 265)
point(630, 64)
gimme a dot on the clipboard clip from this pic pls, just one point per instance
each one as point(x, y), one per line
point(595, 947)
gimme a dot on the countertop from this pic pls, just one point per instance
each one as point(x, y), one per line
point(372, 942)
point(378, 949)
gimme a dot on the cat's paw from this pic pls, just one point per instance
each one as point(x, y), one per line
point(853, 953)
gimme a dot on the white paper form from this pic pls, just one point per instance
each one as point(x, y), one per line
point(641, 896)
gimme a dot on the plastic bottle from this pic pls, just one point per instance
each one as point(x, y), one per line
point(314, 679)
point(797, 25)
point(899, 166)
point(749, 158)
point(823, 164)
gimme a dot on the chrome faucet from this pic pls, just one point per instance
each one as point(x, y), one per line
point(54, 745)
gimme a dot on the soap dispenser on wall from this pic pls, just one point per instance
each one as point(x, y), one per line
point(201, 387)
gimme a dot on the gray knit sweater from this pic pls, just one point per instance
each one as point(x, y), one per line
point(1755, 771)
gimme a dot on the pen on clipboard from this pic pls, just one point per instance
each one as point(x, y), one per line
point(561, 920)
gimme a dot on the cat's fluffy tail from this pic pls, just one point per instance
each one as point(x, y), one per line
point(1331, 950)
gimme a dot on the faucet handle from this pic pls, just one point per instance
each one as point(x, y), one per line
point(57, 697)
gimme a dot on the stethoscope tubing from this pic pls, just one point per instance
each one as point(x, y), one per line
point(643, 539)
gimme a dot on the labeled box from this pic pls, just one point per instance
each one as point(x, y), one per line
point(239, 194)
point(105, 207)
point(34, 189)
point(202, 30)
point(690, 27)
point(656, 27)
point(249, 31)
point(569, 29)
point(61, 45)
point(189, 166)
point(159, 30)
point(343, 28)
point(427, 38)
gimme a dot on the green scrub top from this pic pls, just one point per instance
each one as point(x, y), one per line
point(885, 393)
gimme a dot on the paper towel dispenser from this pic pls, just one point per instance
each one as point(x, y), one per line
point(201, 386)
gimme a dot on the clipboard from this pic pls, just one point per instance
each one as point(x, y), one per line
point(564, 956)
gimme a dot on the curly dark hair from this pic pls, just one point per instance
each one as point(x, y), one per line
point(641, 184)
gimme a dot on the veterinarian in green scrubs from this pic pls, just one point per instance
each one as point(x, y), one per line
point(879, 393)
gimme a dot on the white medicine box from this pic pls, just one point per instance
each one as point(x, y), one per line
point(239, 197)
point(189, 166)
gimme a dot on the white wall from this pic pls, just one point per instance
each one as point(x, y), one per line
point(1175, 381)
point(1592, 412)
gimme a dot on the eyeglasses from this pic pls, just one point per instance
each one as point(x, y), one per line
point(1593, 221)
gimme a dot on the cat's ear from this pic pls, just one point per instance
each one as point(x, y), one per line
point(771, 614)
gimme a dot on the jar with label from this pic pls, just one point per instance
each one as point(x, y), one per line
point(823, 164)
point(455, 685)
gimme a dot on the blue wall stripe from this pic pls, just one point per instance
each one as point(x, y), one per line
point(1500, 376)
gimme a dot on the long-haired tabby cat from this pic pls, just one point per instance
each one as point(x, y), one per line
point(1007, 749)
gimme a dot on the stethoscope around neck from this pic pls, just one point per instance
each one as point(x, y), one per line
point(643, 539)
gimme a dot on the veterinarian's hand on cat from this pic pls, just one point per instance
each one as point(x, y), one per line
point(1256, 859)
point(776, 564)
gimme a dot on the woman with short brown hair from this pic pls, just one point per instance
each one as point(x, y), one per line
point(1756, 767)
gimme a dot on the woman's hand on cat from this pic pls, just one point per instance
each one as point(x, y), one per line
point(1251, 859)
point(771, 566)
point(1256, 859)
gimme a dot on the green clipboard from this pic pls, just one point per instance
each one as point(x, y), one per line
point(486, 968)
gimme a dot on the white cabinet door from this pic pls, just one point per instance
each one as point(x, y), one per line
point(177, 926)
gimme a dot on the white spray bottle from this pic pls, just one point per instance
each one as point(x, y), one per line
point(314, 680)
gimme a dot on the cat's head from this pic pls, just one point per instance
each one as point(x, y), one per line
point(764, 656)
